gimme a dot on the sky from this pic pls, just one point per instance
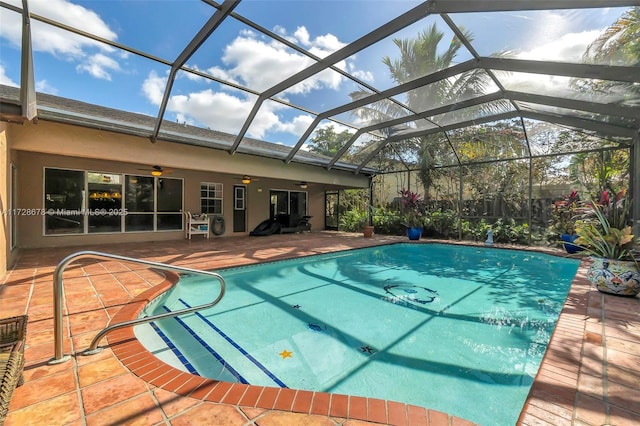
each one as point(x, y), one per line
point(75, 67)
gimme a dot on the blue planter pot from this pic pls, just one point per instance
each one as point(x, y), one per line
point(414, 233)
point(570, 248)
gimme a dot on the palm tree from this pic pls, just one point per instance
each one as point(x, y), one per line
point(619, 44)
point(420, 57)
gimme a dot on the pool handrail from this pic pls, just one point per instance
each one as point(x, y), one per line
point(58, 289)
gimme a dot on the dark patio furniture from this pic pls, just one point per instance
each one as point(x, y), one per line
point(12, 336)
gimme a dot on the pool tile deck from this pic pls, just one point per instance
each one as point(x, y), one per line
point(589, 375)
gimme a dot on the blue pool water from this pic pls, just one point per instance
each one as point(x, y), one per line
point(454, 328)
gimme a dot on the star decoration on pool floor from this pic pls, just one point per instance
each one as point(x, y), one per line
point(296, 306)
point(368, 349)
point(286, 354)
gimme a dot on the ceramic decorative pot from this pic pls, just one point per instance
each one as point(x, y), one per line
point(367, 231)
point(570, 248)
point(414, 233)
point(612, 276)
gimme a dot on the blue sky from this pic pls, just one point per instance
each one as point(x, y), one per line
point(75, 67)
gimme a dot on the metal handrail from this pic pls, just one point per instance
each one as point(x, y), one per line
point(58, 293)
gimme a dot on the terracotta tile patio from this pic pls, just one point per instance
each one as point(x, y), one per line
point(589, 375)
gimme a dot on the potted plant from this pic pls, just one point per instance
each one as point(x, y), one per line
point(413, 212)
point(364, 224)
point(564, 214)
point(367, 230)
point(605, 234)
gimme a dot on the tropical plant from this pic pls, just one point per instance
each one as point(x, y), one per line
point(353, 220)
point(443, 223)
point(601, 171)
point(413, 209)
point(388, 220)
point(565, 213)
point(605, 232)
point(419, 57)
point(617, 45)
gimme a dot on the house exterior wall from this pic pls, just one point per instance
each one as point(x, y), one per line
point(5, 168)
point(47, 144)
point(75, 141)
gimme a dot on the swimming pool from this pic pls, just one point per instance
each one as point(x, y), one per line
point(454, 328)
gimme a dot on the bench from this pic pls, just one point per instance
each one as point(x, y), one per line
point(12, 336)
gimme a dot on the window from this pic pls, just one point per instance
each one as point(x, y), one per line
point(288, 206)
point(105, 202)
point(239, 197)
point(169, 210)
point(64, 200)
point(153, 202)
point(211, 198)
point(79, 202)
point(138, 202)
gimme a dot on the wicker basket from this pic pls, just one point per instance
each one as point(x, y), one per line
point(12, 335)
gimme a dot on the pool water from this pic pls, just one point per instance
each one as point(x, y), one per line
point(453, 328)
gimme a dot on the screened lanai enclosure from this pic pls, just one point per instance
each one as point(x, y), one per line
point(489, 110)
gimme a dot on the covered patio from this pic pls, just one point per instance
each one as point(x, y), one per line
point(588, 375)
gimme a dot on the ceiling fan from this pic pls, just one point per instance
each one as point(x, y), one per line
point(157, 170)
point(303, 185)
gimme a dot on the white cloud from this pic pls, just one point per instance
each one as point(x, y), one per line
point(301, 35)
point(257, 63)
point(215, 110)
point(53, 40)
point(366, 76)
point(90, 55)
point(43, 86)
point(297, 126)
point(567, 48)
point(222, 74)
point(223, 112)
point(73, 15)
point(260, 65)
point(98, 65)
point(153, 87)
point(337, 127)
point(5, 79)
point(325, 45)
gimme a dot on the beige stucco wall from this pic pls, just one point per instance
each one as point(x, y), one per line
point(8, 255)
point(5, 170)
point(63, 139)
point(55, 145)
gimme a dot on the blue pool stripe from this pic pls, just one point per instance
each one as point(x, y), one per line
point(175, 350)
point(238, 347)
point(209, 349)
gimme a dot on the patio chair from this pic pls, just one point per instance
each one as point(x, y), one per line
point(12, 336)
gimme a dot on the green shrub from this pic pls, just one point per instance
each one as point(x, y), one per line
point(353, 220)
point(442, 224)
point(388, 221)
point(507, 231)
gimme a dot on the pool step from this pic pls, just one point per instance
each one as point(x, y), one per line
point(220, 356)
